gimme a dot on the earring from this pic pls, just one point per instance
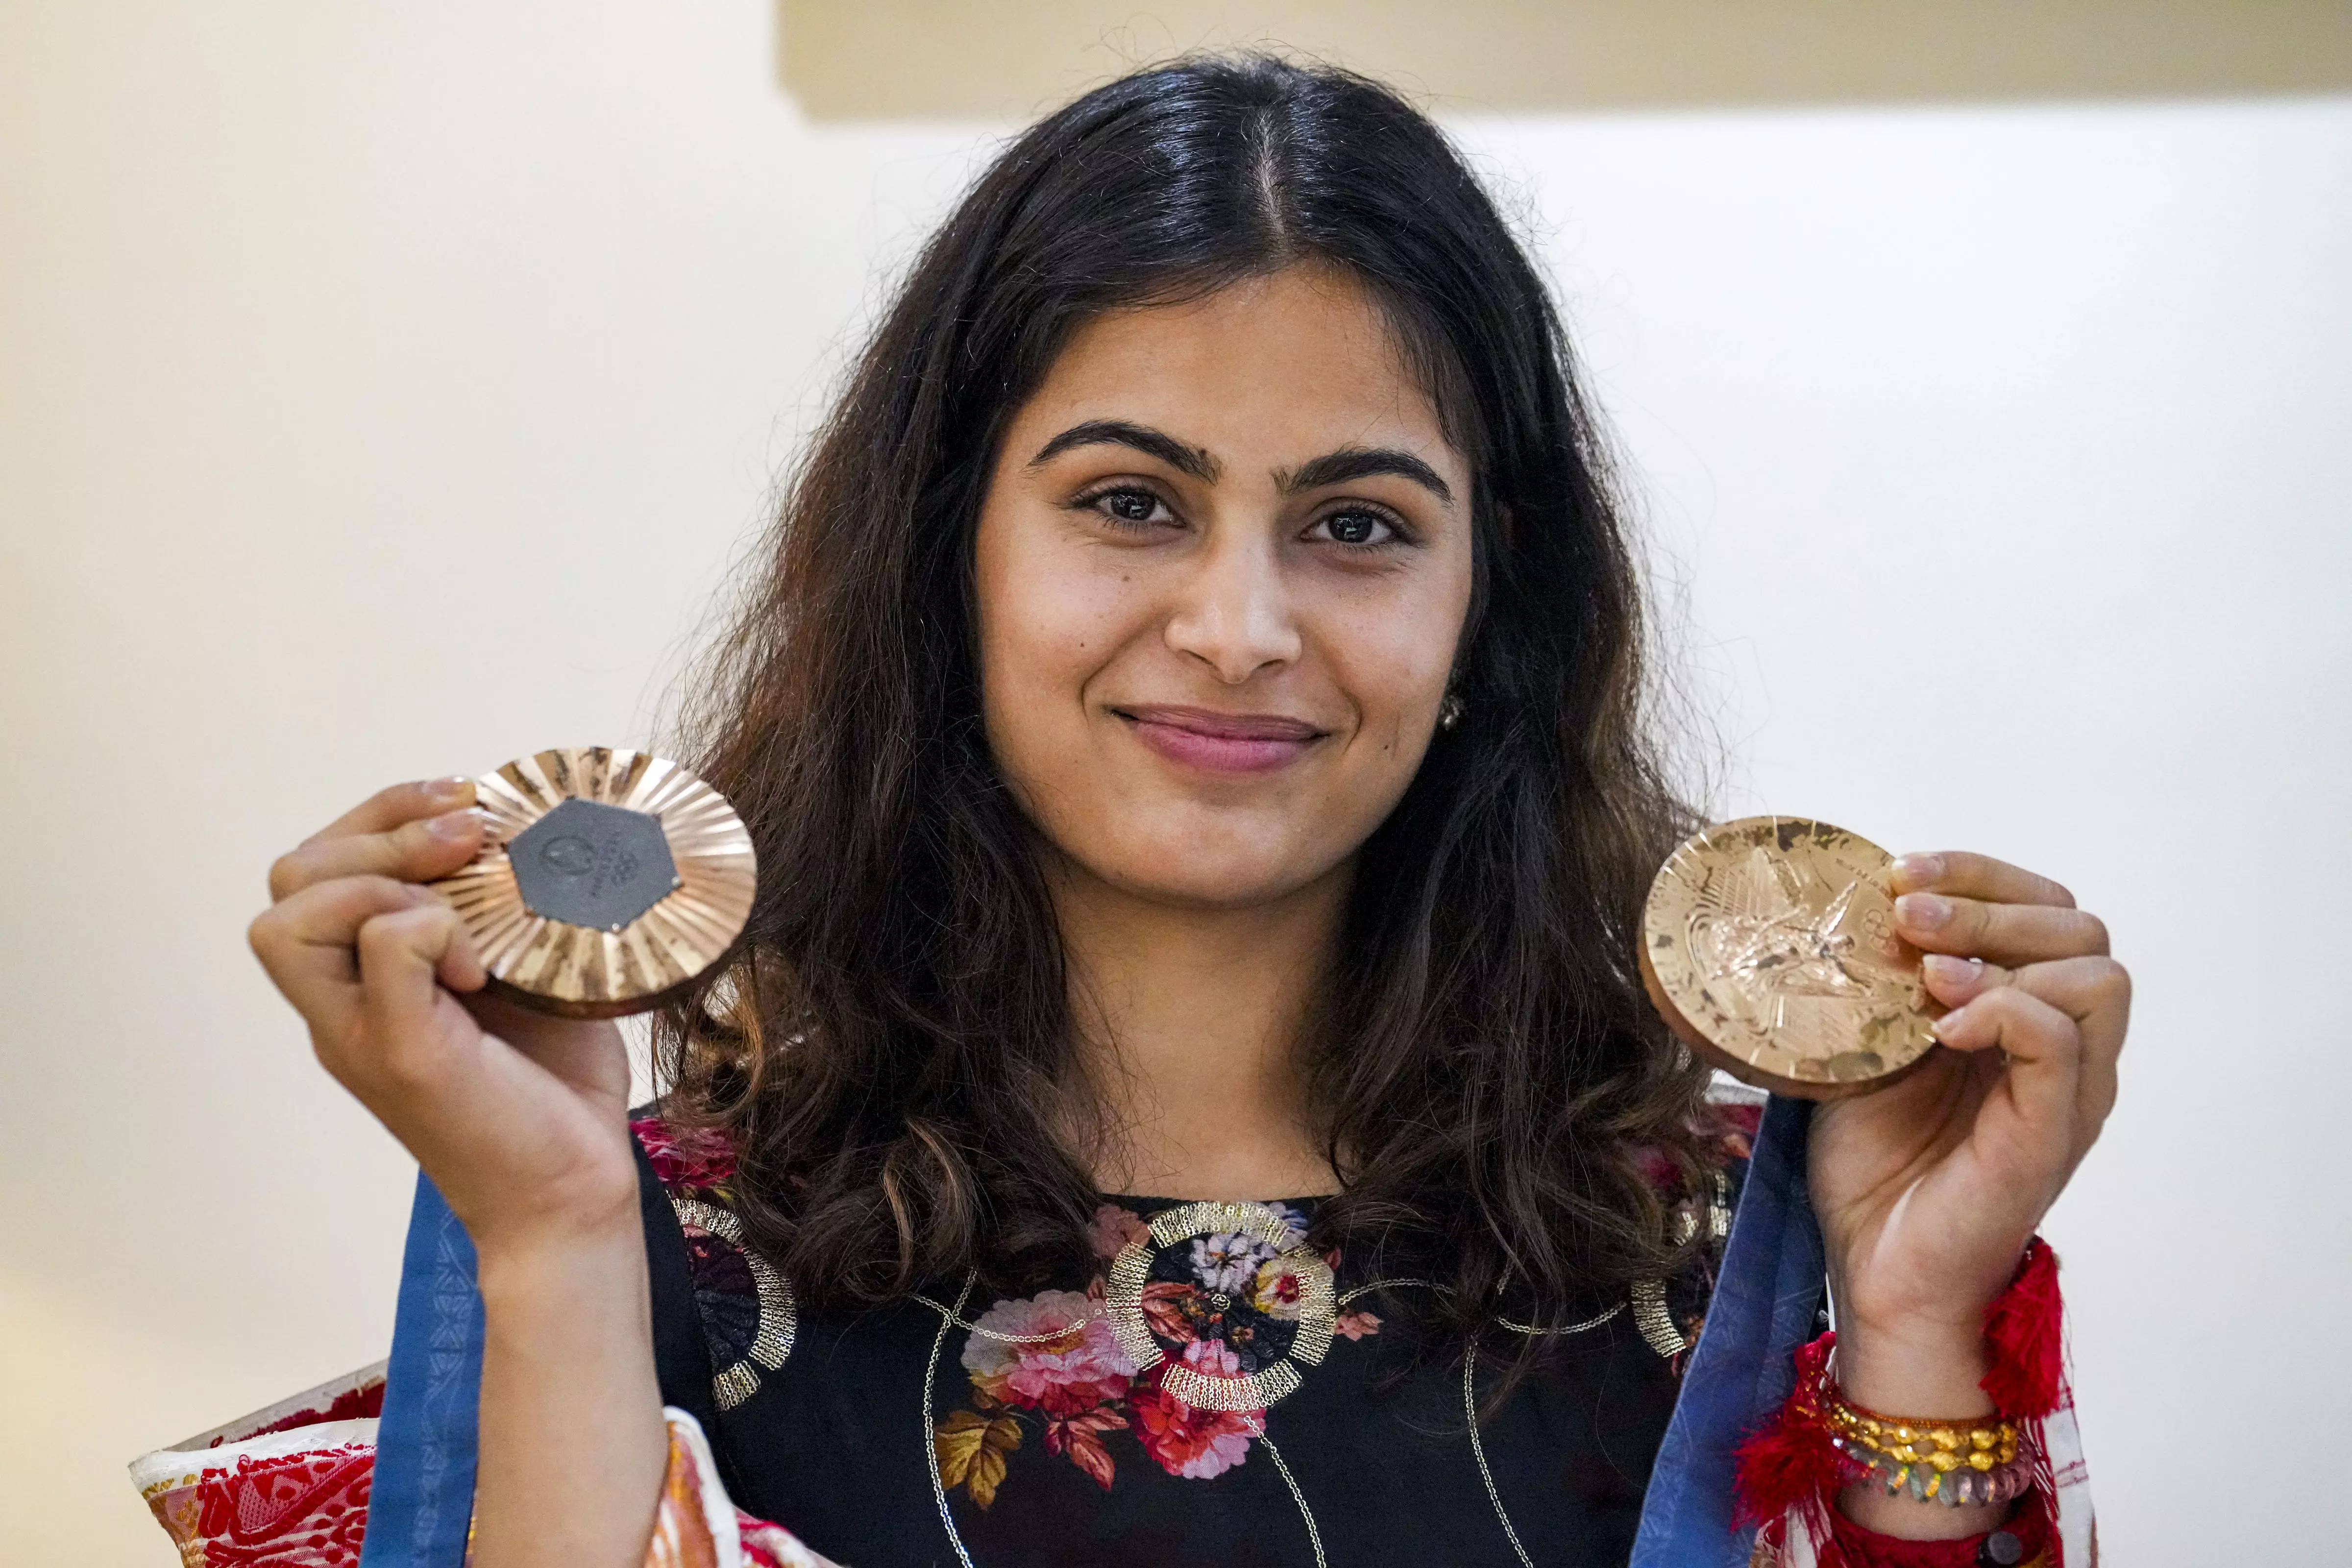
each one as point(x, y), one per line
point(1449, 712)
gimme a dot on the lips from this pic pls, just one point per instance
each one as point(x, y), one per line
point(1220, 742)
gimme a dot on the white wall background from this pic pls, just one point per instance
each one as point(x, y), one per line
point(2002, 452)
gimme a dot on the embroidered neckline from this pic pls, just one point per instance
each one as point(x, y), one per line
point(1277, 1277)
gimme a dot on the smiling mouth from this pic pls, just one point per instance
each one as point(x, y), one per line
point(1220, 742)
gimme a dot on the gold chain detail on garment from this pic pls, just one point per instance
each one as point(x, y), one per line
point(1588, 1324)
point(948, 1315)
point(1075, 1324)
point(1478, 1451)
point(1348, 1296)
point(1593, 1321)
point(1282, 1467)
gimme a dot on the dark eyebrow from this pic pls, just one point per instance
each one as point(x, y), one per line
point(1362, 463)
point(1153, 442)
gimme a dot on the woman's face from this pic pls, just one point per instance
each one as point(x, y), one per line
point(1222, 567)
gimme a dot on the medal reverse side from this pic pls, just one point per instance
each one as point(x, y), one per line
point(1769, 945)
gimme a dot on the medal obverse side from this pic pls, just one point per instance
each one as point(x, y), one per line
point(609, 880)
point(1769, 945)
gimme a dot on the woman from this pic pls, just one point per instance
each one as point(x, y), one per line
point(1190, 725)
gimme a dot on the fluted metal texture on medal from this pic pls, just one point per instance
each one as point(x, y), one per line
point(609, 880)
point(1769, 944)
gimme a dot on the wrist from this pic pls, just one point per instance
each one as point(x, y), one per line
point(590, 1206)
point(518, 1268)
point(1925, 1369)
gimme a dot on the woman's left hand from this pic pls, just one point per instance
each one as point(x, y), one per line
point(1928, 1191)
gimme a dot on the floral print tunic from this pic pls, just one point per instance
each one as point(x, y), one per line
point(1214, 1392)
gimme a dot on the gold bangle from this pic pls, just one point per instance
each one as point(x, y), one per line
point(1977, 1442)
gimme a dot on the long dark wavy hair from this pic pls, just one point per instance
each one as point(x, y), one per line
point(894, 1052)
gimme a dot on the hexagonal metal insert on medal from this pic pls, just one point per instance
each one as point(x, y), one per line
point(589, 864)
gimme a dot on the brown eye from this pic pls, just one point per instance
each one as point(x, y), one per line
point(1128, 505)
point(1357, 528)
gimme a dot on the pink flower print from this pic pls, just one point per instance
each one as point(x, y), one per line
point(1356, 1325)
point(1063, 1358)
point(1227, 1260)
point(1194, 1443)
point(1113, 1227)
point(1212, 1358)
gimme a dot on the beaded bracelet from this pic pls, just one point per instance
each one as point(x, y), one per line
point(1954, 1462)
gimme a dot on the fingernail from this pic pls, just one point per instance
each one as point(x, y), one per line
point(1950, 971)
point(459, 788)
point(1922, 912)
point(455, 826)
point(1919, 869)
point(1941, 1027)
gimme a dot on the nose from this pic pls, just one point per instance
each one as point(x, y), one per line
point(1233, 611)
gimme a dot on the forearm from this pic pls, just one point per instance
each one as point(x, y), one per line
point(573, 1442)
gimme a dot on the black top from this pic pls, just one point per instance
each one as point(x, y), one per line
point(1213, 1393)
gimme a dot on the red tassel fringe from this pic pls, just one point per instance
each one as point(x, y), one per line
point(2023, 1328)
point(1789, 1465)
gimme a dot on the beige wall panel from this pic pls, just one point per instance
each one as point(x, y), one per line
point(928, 59)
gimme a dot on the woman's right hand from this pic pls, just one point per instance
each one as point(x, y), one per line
point(521, 1120)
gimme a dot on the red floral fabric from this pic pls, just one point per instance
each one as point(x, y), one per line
point(294, 1494)
point(303, 1508)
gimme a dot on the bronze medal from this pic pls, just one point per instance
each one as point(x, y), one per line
point(1769, 945)
point(609, 882)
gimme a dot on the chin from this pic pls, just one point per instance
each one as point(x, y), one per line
point(1213, 871)
point(1213, 888)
